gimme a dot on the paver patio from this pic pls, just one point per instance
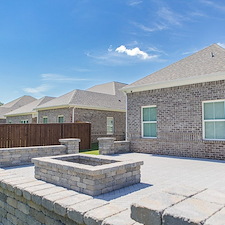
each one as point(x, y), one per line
point(159, 172)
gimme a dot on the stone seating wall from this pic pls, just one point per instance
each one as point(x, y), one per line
point(26, 201)
point(23, 155)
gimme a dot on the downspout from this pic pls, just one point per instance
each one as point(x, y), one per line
point(126, 116)
point(37, 117)
point(73, 116)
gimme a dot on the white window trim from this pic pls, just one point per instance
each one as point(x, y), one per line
point(44, 117)
point(203, 120)
point(23, 121)
point(110, 133)
point(58, 118)
point(142, 122)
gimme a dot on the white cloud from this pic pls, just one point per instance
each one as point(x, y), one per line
point(213, 4)
point(134, 52)
point(156, 27)
point(170, 17)
point(58, 77)
point(110, 49)
point(133, 3)
point(37, 90)
point(221, 44)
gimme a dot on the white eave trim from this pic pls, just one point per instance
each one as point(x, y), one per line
point(99, 108)
point(82, 107)
point(178, 82)
point(21, 114)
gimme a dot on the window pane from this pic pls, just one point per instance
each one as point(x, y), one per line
point(149, 129)
point(209, 130)
point(61, 119)
point(153, 114)
point(220, 130)
point(208, 111)
point(219, 110)
point(146, 114)
point(109, 121)
point(110, 125)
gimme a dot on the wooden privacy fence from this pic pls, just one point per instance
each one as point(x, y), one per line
point(26, 135)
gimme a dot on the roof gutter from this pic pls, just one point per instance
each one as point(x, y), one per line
point(178, 82)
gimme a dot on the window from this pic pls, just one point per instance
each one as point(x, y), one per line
point(214, 120)
point(24, 121)
point(60, 119)
point(149, 122)
point(110, 125)
point(45, 119)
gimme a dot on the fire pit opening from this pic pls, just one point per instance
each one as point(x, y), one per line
point(81, 159)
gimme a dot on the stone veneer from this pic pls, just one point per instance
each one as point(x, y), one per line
point(26, 201)
point(179, 120)
point(108, 146)
point(89, 174)
point(23, 155)
point(180, 205)
point(97, 118)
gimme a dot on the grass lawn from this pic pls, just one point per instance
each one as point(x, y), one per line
point(93, 151)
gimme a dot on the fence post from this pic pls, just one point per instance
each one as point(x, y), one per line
point(72, 145)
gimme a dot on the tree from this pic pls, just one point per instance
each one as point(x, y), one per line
point(1, 103)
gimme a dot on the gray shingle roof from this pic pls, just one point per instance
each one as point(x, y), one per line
point(15, 104)
point(207, 61)
point(30, 107)
point(91, 99)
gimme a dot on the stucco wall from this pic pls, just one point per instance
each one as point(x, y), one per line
point(97, 118)
point(179, 120)
point(17, 119)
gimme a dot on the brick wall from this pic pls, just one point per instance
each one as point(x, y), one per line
point(2, 121)
point(54, 113)
point(17, 119)
point(97, 118)
point(179, 120)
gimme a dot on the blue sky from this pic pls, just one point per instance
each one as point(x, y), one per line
point(50, 47)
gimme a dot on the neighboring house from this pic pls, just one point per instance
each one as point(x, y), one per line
point(26, 113)
point(104, 106)
point(180, 110)
point(15, 104)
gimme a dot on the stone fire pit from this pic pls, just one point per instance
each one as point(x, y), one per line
point(89, 174)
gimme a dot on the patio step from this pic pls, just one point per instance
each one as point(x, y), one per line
point(181, 205)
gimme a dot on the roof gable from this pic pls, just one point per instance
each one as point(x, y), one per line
point(29, 108)
point(90, 99)
point(110, 88)
point(15, 104)
point(206, 62)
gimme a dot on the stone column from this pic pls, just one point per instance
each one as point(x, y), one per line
point(72, 145)
point(106, 145)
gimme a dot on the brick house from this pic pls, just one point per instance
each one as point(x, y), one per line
point(104, 106)
point(13, 105)
point(180, 110)
point(26, 113)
